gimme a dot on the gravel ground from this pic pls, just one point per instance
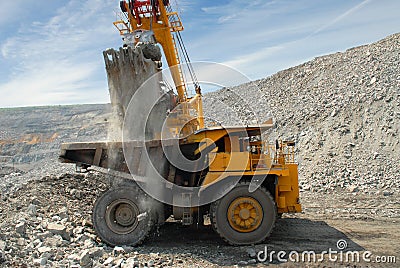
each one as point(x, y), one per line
point(343, 111)
point(48, 222)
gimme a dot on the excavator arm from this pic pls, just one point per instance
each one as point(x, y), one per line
point(151, 15)
point(143, 19)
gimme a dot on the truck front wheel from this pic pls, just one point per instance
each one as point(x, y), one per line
point(242, 217)
point(123, 216)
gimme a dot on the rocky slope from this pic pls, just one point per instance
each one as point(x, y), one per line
point(30, 139)
point(343, 111)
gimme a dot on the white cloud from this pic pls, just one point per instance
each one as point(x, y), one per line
point(58, 60)
point(252, 58)
point(341, 16)
point(9, 11)
point(54, 82)
point(223, 19)
point(182, 6)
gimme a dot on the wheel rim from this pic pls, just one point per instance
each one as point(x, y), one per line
point(121, 216)
point(245, 214)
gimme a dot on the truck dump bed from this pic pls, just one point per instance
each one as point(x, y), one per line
point(109, 154)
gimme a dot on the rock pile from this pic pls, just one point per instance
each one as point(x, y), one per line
point(343, 111)
point(45, 220)
point(47, 223)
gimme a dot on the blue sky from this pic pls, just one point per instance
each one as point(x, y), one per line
point(51, 51)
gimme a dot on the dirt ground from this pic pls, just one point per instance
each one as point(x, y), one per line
point(304, 233)
point(318, 229)
point(363, 222)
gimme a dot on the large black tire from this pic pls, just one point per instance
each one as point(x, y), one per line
point(124, 216)
point(257, 229)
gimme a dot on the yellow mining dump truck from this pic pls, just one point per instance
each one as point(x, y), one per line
point(183, 168)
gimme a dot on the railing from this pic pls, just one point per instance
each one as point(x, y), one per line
point(122, 27)
point(260, 163)
point(175, 21)
point(282, 152)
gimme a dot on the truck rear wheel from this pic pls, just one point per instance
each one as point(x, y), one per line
point(243, 218)
point(123, 216)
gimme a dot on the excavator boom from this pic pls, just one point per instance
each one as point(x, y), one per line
point(152, 16)
point(143, 19)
